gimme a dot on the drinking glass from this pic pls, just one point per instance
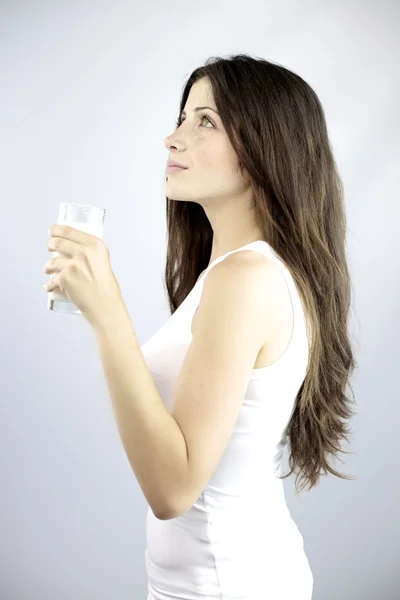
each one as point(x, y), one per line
point(87, 218)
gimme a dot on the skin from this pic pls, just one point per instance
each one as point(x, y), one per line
point(212, 178)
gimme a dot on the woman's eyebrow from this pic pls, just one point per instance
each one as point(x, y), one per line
point(201, 108)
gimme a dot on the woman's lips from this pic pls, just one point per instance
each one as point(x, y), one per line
point(175, 169)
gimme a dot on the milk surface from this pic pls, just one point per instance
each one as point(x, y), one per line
point(96, 229)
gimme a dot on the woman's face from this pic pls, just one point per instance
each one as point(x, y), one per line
point(201, 144)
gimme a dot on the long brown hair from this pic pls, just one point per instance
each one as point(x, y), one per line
point(276, 125)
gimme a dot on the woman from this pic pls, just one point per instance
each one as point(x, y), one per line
point(256, 353)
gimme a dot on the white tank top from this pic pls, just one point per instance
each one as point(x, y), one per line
point(238, 540)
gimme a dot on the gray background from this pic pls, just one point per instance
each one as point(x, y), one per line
point(89, 91)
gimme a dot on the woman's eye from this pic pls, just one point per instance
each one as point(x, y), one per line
point(202, 117)
point(206, 117)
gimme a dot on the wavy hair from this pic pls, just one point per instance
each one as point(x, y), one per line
point(276, 125)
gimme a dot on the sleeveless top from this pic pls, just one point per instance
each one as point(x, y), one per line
point(238, 540)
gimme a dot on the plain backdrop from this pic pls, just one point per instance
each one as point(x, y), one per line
point(88, 93)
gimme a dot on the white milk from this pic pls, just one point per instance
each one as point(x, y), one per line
point(96, 229)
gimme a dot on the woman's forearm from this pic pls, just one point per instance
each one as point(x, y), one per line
point(153, 441)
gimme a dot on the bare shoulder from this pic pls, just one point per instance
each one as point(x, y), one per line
point(256, 280)
point(257, 286)
point(253, 262)
point(259, 271)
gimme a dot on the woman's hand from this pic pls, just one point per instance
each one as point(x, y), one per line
point(84, 274)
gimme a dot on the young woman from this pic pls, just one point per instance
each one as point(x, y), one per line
point(256, 355)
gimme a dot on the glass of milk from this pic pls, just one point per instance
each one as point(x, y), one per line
point(87, 218)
